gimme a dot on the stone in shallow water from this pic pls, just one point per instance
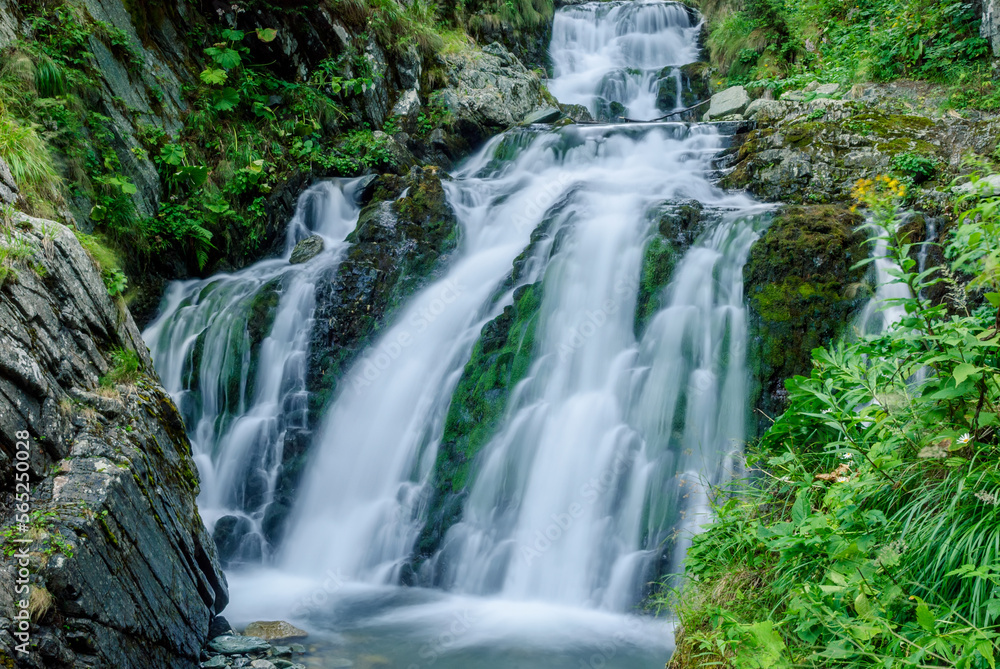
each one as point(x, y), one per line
point(262, 664)
point(237, 645)
point(215, 662)
point(307, 249)
point(274, 630)
point(287, 664)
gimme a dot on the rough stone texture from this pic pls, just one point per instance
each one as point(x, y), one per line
point(733, 100)
point(489, 91)
point(274, 630)
point(399, 244)
point(990, 27)
point(797, 283)
point(814, 152)
point(116, 538)
point(8, 188)
point(306, 250)
point(677, 224)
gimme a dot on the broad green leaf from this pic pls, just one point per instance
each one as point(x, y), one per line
point(214, 76)
point(994, 299)
point(226, 99)
point(924, 617)
point(862, 606)
point(226, 58)
point(233, 35)
point(800, 510)
point(266, 34)
point(985, 649)
point(173, 154)
point(964, 371)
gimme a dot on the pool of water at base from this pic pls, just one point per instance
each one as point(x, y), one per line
point(392, 627)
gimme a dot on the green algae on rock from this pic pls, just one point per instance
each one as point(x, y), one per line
point(801, 288)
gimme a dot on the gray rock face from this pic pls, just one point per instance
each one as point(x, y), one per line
point(733, 100)
point(132, 573)
point(490, 88)
point(770, 109)
point(990, 26)
point(306, 250)
point(8, 188)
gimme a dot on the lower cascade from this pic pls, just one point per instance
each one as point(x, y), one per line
point(530, 440)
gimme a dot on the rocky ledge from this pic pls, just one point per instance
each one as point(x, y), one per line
point(118, 566)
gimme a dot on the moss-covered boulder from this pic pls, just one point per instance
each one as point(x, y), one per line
point(798, 283)
point(398, 245)
point(500, 359)
point(677, 225)
point(817, 150)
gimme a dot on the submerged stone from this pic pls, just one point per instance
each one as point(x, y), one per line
point(238, 645)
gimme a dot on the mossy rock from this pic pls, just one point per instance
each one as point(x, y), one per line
point(398, 246)
point(800, 289)
point(500, 359)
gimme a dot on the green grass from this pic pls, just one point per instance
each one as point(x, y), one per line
point(869, 533)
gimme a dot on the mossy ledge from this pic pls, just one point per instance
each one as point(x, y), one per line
point(500, 359)
point(802, 293)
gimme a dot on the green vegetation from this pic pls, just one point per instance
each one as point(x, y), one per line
point(869, 533)
point(125, 368)
point(784, 44)
point(39, 529)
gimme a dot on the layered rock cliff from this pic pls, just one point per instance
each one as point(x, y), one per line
point(119, 568)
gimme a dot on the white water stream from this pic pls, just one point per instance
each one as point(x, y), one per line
point(597, 475)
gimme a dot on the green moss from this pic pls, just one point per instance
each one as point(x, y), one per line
point(500, 359)
point(798, 282)
point(658, 261)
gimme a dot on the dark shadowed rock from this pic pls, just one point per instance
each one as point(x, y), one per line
point(117, 540)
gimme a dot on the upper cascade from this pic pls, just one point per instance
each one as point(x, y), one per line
point(614, 57)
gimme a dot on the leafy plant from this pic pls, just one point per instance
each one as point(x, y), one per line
point(870, 533)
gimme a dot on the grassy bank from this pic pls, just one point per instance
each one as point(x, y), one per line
point(869, 531)
point(784, 44)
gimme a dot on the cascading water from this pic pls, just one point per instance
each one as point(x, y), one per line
point(598, 473)
point(622, 53)
point(237, 375)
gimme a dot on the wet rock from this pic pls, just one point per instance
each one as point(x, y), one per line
point(262, 664)
point(814, 152)
point(228, 535)
point(990, 26)
point(407, 106)
point(215, 662)
point(733, 100)
point(119, 544)
point(579, 113)
point(543, 115)
point(219, 627)
point(238, 645)
point(274, 630)
point(609, 111)
point(306, 250)
point(798, 284)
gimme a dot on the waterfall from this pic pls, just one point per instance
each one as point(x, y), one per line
point(231, 352)
point(599, 469)
point(620, 52)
